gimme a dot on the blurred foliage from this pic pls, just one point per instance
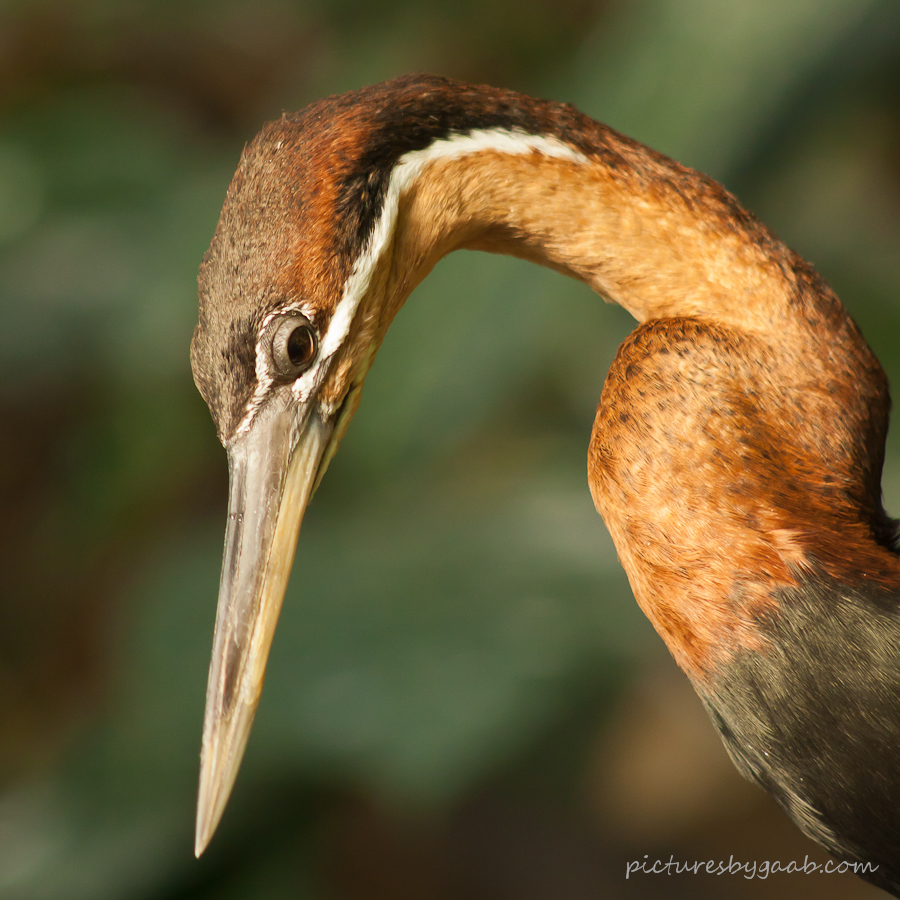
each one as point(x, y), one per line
point(457, 625)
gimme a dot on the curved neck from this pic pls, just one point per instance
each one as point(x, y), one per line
point(665, 243)
point(652, 236)
point(661, 240)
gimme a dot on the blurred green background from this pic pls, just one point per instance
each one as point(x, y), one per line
point(463, 700)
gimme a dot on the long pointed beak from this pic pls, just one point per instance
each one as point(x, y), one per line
point(273, 469)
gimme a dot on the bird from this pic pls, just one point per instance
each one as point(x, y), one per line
point(736, 453)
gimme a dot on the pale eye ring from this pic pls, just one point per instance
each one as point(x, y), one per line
point(294, 346)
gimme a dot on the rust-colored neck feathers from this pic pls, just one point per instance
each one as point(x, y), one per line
point(739, 439)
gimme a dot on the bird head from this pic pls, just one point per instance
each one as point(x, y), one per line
point(290, 318)
point(334, 215)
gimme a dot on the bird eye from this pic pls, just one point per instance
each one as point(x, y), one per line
point(294, 346)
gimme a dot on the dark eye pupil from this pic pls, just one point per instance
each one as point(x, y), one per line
point(293, 348)
point(300, 346)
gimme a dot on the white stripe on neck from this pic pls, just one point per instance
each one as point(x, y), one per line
point(404, 174)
